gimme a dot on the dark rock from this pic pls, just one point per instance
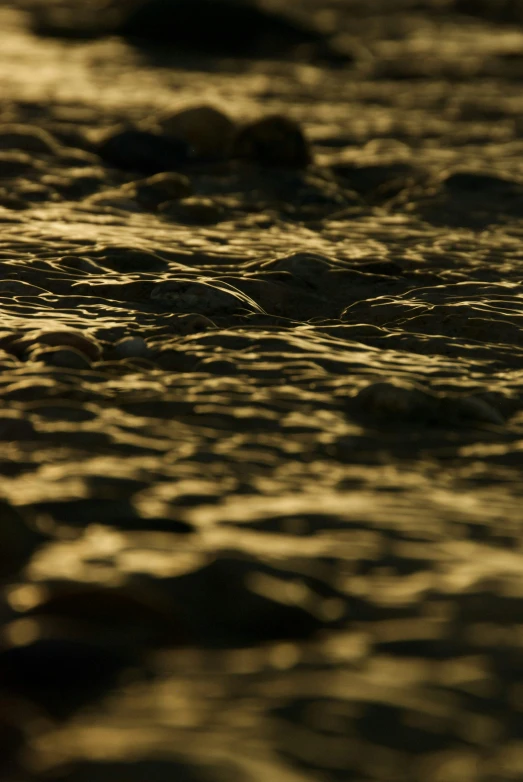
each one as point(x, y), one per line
point(208, 131)
point(139, 150)
point(193, 211)
point(223, 28)
point(273, 141)
point(154, 190)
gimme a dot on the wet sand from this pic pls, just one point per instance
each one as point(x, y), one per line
point(261, 449)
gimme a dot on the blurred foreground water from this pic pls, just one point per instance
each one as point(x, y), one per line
point(261, 424)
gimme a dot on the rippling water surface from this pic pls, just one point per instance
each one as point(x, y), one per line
point(267, 450)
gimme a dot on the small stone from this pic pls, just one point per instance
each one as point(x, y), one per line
point(226, 28)
point(208, 131)
point(140, 150)
point(66, 357)
point(132, 347)
point(193, 211)
point(87, 345)
point(273, 141)
point(28, 139)
point(201, 297)
point(394, 403)
point(151, 192)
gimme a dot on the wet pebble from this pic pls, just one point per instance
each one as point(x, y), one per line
point(66, 357)
point(303, 266)
point(206, 130)
point(153, 191)
point(139, 150)
point(193, 211)
point(199, 297)
point(132, 347)
point(86, 345)
point(76, 183)
point(273, 141)
point(217, 28)
point(393, 404)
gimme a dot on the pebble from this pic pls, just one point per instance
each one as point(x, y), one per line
point(200, 297)
point(394, 403)
point(153, 191)
point(86, 345)
point(273, 141)
point(217, 27)
point(66, 357)
point(140, 150)
point(131, 347)
point(196, 210)
point(208, 131)
point(303, 266)
point(18, 540)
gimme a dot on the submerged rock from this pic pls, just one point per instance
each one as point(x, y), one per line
point(395, 404)
point(208, 131)
point(228, 28)
point(224, 28)
point(273, 141)
point(140, 150)
point(166, 186)
point(193, 211)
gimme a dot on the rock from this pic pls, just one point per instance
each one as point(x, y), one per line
point(273, 141)
point(66, 357)
point(151, 192)
point(18, 540)
point(208, 131)
point(132, 347)
point(221, 28)
point(193, 211)
point(202, 297)
point(86, 345)
point(397, 404)
point(140, 150)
